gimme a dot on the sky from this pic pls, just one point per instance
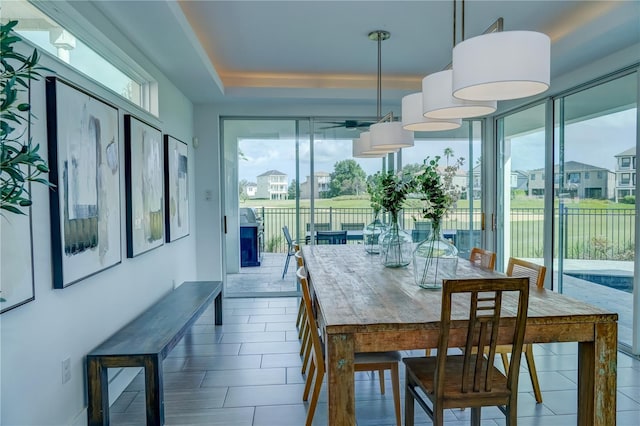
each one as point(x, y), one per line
point(594, 141)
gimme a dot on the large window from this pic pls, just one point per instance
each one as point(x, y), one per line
point(53, 38)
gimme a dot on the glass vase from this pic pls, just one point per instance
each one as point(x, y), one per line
point(396, 245)
point(371, 235)
point(434, 259)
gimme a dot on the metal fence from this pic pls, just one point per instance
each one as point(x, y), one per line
point(586, 233)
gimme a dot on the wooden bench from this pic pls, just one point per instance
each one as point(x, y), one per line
point(145, 342)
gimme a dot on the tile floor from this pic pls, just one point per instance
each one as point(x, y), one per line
point(247, 372)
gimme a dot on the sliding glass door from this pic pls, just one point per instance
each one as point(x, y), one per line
point(521, 186)
point(260, 171)
point(567, 195)
point(594, 181)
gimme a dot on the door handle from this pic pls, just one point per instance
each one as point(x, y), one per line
point(225, 224)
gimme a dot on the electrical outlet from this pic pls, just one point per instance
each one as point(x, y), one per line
point(66, 370)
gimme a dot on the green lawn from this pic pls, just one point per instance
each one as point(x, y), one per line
point(363, 202)
point(595, 229)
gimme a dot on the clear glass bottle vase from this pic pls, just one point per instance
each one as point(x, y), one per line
point(396, 245)
point(371, 235)
point(434, 259)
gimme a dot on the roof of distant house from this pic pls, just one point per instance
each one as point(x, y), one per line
point(273, 173)
point(574, 165)
point(630, 151)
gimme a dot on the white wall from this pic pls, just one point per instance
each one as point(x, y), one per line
point(37, 336)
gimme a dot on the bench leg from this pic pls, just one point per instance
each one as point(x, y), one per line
point(154, 390)
point(218, 308)
point(98, 393)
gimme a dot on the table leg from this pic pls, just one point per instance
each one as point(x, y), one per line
point(597, 369)
point(340, 379)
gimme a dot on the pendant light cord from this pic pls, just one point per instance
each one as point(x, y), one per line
point(379, 102)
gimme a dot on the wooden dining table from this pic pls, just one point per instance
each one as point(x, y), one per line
point(364, 307)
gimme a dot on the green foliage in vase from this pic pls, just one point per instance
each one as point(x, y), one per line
point(20, 162)
point(394, 189)
point(436, 189)
point(374, 189)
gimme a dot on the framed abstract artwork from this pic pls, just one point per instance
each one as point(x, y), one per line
point(176, 188)
point(145, 189)
point(84, 161)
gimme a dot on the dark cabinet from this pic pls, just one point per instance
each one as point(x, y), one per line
point(250, 245)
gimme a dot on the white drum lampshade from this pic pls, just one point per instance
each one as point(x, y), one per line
point(361, 149)
point(390, 136)
point(412, 118)
point(438, 103)
point(502, 65)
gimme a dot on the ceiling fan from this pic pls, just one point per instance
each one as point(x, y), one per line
point(349, 124)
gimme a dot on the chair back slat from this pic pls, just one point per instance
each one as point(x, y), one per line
point(331, 237)
point(319, 226)
point(483, 258)
point(485, 308)
point(352, 226)
point(533, 272)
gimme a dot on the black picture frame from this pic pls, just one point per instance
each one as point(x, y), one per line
point(176, 188)
point(84, 162)
point(144, 166)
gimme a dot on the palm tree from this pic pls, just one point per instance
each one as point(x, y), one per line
point(448, 153)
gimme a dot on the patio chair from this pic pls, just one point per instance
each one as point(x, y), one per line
point(291, 249)
point(331, 237)
point(470, 380)
point(374, 361)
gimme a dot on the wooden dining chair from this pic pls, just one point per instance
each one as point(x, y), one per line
point(479, 257)
point(304, 333)
point(535, 274)
point(374, 361)
point(483, 258)
point(470, 380)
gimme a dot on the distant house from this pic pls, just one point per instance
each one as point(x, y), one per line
point(626, 173)
point(321, 183)
point(251, 189)
point(579, 180)
point(520, 180)
point(272, 185)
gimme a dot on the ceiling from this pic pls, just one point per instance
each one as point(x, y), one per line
point(253, 51)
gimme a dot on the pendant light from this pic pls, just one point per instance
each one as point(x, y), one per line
point(362, 147)
point(412, 118)
point(502, 65)
point(390, 135)
point(437, 99)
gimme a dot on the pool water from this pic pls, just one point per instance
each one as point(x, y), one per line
point(619, 282)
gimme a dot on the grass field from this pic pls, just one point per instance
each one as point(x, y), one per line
point(591, 229)
point(362, 201)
